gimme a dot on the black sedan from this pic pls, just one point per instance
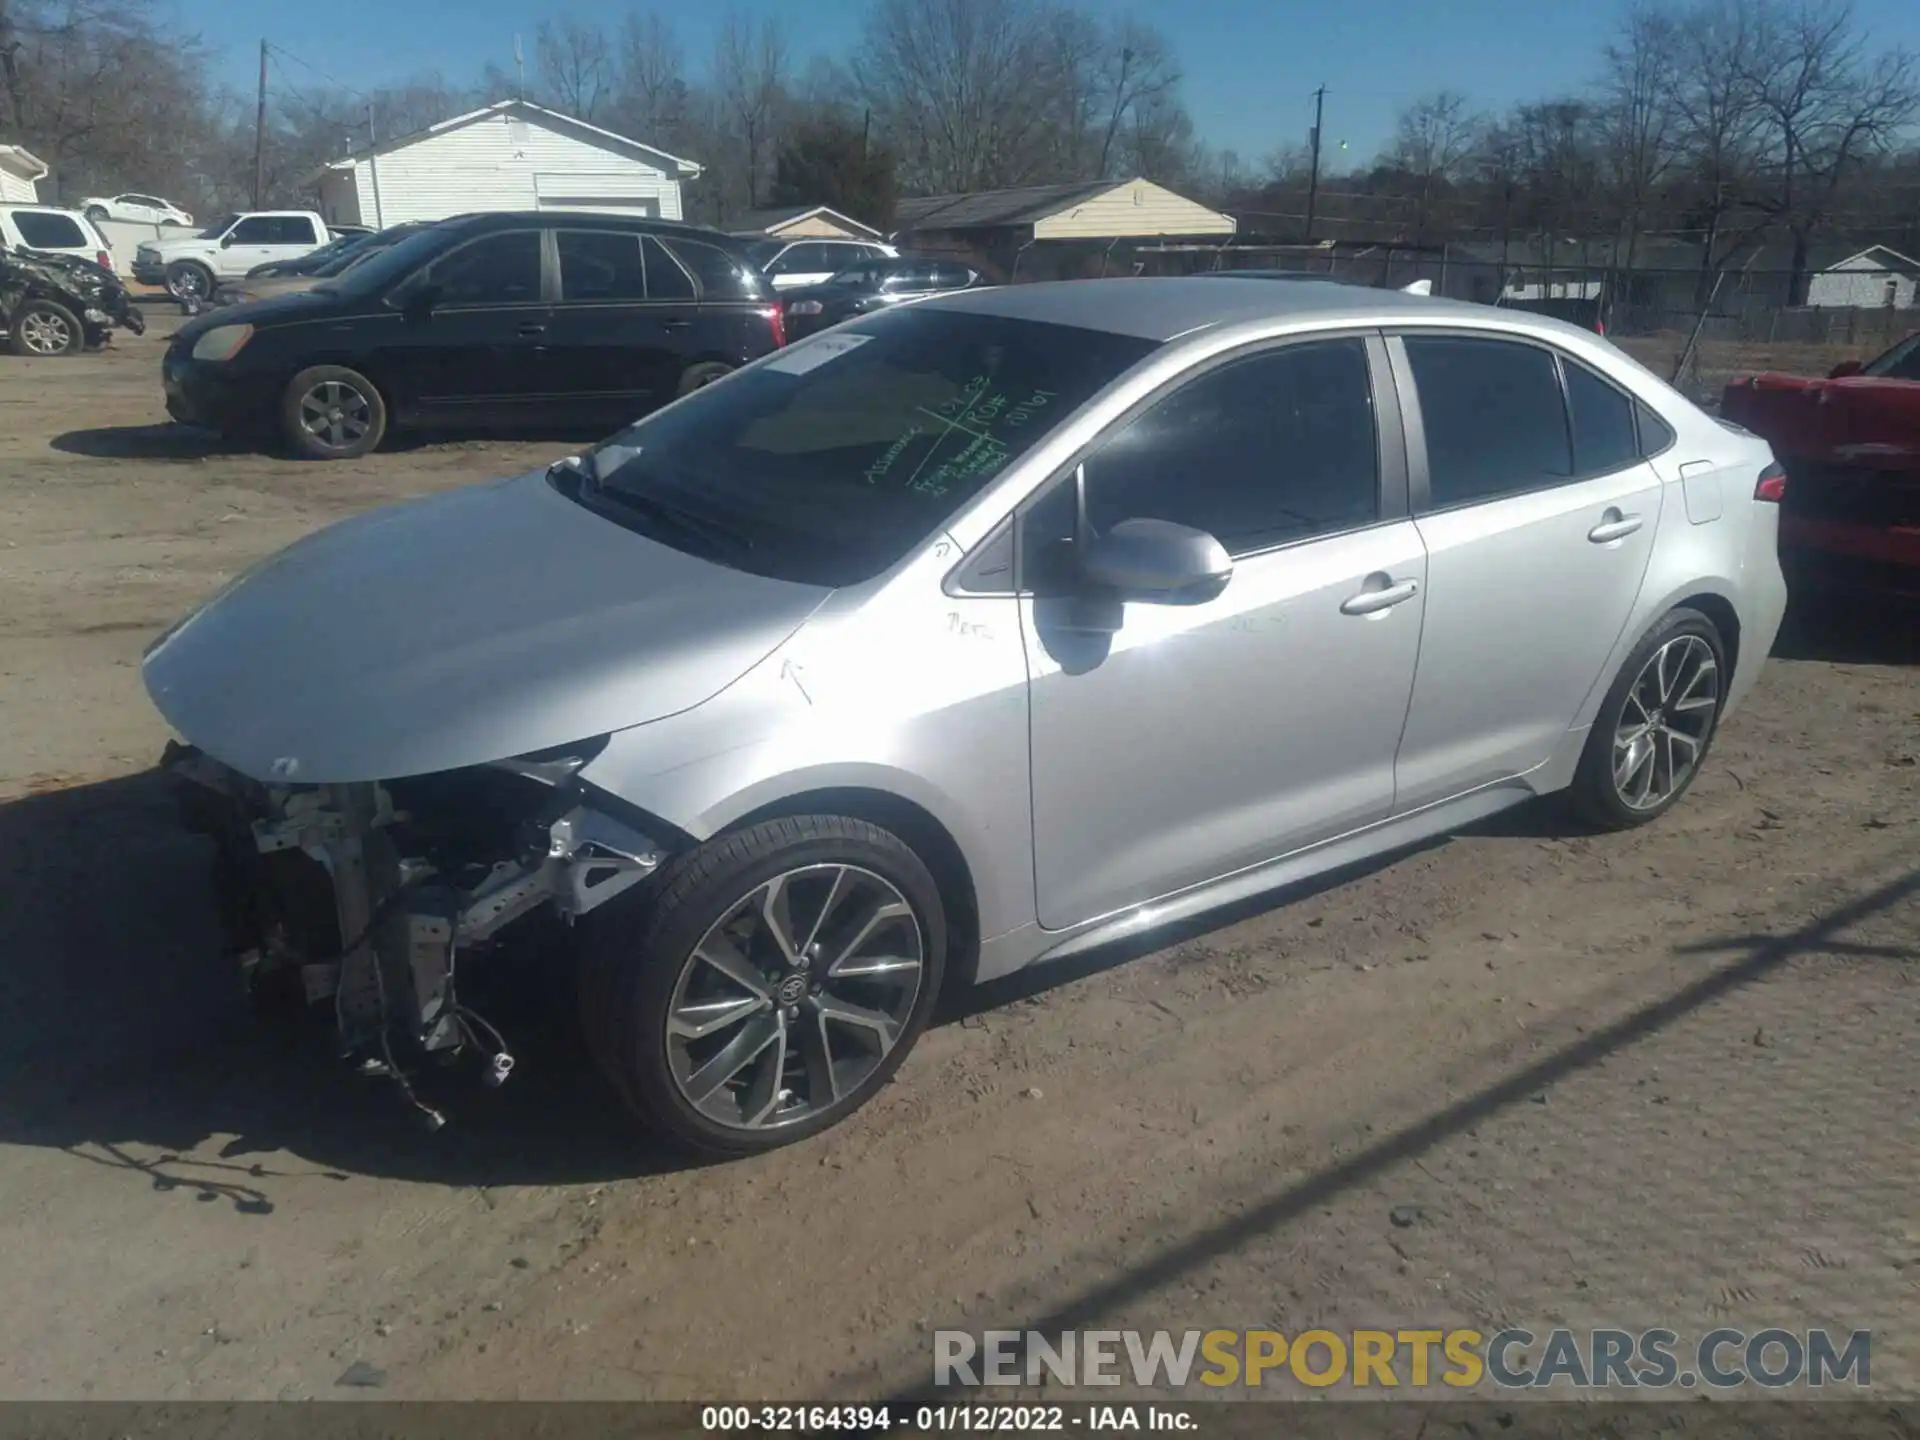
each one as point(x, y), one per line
point(502, 320)
point(872, 286)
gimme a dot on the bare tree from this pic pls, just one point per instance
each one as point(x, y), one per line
point(750, 64)
point(651, 94)
point(1138, 74)
point(1718, 126)
point(1637, 124)
point(1433, 140)
point(1825, 107)
point(575, 62)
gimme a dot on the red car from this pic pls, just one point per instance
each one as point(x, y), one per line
point(1850, 519)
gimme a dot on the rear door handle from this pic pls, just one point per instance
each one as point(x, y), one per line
point(1615, 527)
point(1372, 602)
point(675, 324)
point(533, 329)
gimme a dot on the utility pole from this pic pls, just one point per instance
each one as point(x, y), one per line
point(260, 132)
point(1313, 171)
point(520, 64)
point(866, 130)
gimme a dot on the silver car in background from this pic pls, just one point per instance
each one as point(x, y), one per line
point(956, 639)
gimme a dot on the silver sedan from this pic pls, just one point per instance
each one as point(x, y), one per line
point(954, 640)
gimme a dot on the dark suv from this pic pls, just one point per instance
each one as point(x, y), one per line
point(498, 320)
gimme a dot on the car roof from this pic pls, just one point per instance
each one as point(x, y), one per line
point(480, 221)
point(1166, 308)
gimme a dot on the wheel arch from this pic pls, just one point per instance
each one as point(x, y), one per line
point(923, 832)
point(1713, 596)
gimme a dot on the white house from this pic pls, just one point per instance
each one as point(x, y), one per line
point(20, 174)
point(1875, 279)
point(510, 155)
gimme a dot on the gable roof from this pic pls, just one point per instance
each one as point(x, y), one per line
point(23, 162)
point(523, 110)
point(1885, 257)
point(774, 219)
point(990, 209)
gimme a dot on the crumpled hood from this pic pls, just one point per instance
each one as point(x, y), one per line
point(466, 627)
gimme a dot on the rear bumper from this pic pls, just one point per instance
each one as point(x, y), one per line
point(1845, 557)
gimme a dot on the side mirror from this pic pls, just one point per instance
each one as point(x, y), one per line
point(1158, 562)
point(416, 302)
point(1844, 369)
point(226, 241)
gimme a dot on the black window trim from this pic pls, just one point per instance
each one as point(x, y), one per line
point(1419, 475)
point(549, 271)
point(1389, 441)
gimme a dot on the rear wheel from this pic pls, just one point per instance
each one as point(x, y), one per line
point(1656, 724)
point(40, 327)
point(768, 984)
point(698, 377)
point(332, 413)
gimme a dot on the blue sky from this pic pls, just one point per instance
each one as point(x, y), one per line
point(1250, 66)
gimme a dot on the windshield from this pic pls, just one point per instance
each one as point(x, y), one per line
point(218, 228)
point(387, 267)
point(1902, 362)
point(826, 463)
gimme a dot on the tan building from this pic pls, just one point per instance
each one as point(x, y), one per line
point(1054, 231)
point(802, 222)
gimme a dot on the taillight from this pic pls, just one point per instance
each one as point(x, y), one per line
point(777, 317)
point(105, 260)
point(1773, 484)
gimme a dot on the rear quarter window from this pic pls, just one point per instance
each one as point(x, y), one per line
point(721, 274)
point(42, 231)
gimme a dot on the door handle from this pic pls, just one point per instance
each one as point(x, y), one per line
point(533, 329)
point(675, 324)
point(1614, 526)
point(1372, 602)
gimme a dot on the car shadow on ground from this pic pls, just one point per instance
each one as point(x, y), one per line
point(125, 1039)
point(146, 442)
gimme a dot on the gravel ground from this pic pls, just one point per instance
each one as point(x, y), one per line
point(1527, 1076)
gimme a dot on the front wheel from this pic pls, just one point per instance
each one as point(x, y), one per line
point(41, 328)
point(329, 412)
point(1656, 724)
point(189, 281)
point(768, 984)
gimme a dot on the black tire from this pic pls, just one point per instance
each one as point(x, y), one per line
point(190, 280)
point(1596, 794)
point(41, 329)
point(329, 412)
point(96, 213)
point(635, 951)
point(698, 377)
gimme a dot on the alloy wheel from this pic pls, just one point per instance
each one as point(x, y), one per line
point(188, 284)
point(45, 333)
point(1665, 722)
point(794, 996)
point(336, 414)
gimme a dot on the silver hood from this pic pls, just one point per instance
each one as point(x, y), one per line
point(457, 629)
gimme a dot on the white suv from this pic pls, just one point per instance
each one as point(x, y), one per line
point(192, 267)
point(48, 228)
point(793, 263)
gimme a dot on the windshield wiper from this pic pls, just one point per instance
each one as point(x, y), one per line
point(715, 536)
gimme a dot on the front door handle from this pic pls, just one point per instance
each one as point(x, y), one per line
point(1372, 602)
point(675, 324)
point(1613, 526)
point(533, 329)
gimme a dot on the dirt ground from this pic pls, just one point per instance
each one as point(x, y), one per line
point(1526, 1076)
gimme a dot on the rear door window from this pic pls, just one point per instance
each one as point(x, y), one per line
point(1494, 418)
point(40, 230)
point(600, 265)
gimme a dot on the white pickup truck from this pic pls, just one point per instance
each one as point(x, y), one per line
point(192, 266)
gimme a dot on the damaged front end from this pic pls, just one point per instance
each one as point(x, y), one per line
point(371, 895)
point(91, 291)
